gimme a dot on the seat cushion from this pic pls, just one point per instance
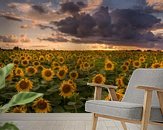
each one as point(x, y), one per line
point(125, 110)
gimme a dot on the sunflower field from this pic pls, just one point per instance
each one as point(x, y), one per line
point(62, 76)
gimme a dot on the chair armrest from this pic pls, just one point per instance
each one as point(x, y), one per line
point(102, 85)
point(98, 91)
point(147, 88)
point(148, 97)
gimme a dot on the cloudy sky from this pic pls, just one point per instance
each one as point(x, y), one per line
point(76, 25)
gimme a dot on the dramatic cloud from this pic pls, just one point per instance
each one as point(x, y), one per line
point(51, 39)
point(9, 38)
point(26, 26)
point(43, 27)
point(55, 38)
point(72, 7)
point(119, 24)
point(42, 13)
point(156, 4)
point(14, 38)
point(40, 9)
point(79, 25)
point(10, 16)
point(24, 38)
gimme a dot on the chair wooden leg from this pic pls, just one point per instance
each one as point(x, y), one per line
point(94, 123)
point(124, 125)
point(146, 110)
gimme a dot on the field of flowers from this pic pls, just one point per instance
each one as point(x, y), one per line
point(62, 75)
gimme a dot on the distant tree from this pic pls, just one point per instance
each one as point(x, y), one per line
point(17, 48)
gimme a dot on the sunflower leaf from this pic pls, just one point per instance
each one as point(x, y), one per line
point(21, 99)
point(4, 72)
point(8, 126)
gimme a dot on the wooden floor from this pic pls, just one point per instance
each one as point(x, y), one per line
point(58, 121)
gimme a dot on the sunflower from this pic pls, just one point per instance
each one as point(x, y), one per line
point(156, 65)
point(1, 65)
point(19, 109)
point(39, 68)
point(29, 58)
point(67, 89)
point(55, 65)
point(22, 57)
point(86, 66)
point(79, 61)
point(119, 96)
point(61, 59)
point(16, 61)
point(109, 65)
point(137, 64)
point(19, 72)
point(124, 68)
point(24, 63)
point(73, 75)
point(73, 83)
point(24, 85)
point(47, 74)
point(30, 70)
point(36, 63)
point(61, 72)
point(10, 76)
point(142, 59)
point(127, 63)
point(41, 106)
point(108, 97)
point(41, 58)
point(99, 78)
point(119, 81)
point(121, 90)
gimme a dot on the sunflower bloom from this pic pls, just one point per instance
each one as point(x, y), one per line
point(156, 65)
point(109, 65)
point(73, 75)
point(24, 63)
point(55, 65)
point(19, 72)
point(99, 79)
point(16, 62)
point(41, 106)
point(108, 97)
point(142, 59)
point(47, 74)
point(67, 89)
point(61, 74)
point(137, 64)
point(36, 63)
point(39, 68)
point(124, 68)
point(19, 109)
point(41, 58)
point(24, 85)
point(86, 66)
point(119, 96)
point(30, 70)
point(127, 63)
point(119, 82)
point(61, 59)
point(10, 76)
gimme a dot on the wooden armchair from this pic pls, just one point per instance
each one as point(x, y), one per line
point(138, 107)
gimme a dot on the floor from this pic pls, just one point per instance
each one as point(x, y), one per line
point(58, 121)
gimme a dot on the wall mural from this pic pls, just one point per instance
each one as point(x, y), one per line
point(57, 46)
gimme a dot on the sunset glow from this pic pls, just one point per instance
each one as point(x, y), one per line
point(31, 24)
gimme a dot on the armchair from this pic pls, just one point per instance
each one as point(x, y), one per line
point(137, 106)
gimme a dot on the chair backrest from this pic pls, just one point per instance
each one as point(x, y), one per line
point(143, 77)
